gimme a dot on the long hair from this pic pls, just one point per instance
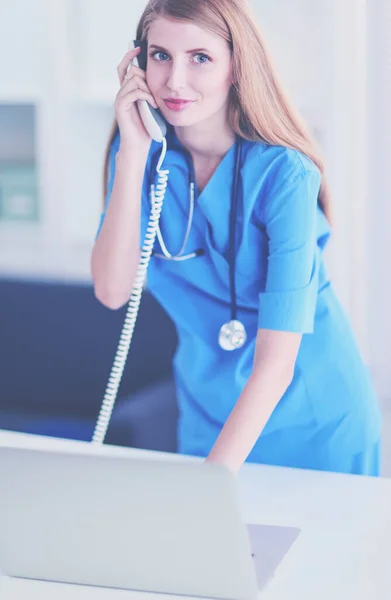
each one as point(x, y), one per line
point(259, 108)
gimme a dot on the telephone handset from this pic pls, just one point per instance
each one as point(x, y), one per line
point(150, 116)
point(157, 128)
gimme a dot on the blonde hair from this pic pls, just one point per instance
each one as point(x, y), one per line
point(259, 109)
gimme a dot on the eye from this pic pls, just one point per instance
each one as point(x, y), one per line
point(161, 56)
point(203, 62)
point(154, 54)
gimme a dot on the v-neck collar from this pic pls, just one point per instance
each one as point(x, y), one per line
point(221, 180)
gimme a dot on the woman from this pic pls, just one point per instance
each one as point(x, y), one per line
point(296, 393)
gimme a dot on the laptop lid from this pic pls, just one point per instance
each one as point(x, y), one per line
point(133, 523)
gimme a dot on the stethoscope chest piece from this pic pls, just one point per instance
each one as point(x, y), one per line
point(232, 336)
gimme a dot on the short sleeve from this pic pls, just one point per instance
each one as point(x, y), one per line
point(110, 183)
point(288, 301)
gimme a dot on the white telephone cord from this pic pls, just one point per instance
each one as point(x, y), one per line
point(117, 370)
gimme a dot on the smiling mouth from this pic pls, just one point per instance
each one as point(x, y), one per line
point(177, 104)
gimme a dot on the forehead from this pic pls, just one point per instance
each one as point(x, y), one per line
point(177, 35)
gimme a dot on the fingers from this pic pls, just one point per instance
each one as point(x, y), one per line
point(131, 97)
point(125, 62)
point(133, 71)
point(133, 80)
point(136, 84)
point(132, 84)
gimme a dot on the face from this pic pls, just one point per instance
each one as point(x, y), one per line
point(188, 63)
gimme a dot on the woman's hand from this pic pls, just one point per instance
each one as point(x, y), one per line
point(133, 87)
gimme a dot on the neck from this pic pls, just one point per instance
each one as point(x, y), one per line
point(206, 142)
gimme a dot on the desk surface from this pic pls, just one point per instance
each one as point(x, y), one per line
point(342, 553)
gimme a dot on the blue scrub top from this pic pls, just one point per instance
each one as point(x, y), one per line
point(329, 412)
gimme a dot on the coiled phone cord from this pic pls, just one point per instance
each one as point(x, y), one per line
point(117, 370)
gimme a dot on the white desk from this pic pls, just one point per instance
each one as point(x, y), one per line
point(343, 552)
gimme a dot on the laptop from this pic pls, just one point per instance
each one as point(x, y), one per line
point(133, 523)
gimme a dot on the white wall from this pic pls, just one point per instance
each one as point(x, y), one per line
point(379, 198)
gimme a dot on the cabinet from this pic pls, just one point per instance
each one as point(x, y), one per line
point(58, 82)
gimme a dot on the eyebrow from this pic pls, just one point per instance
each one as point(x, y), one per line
point(153, 46)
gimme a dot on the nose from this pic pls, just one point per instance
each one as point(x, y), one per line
point(177, 77)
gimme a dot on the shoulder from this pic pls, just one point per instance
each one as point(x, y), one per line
point(278, 164)
point(278, 177)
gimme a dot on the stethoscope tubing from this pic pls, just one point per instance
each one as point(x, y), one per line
point(236, 188)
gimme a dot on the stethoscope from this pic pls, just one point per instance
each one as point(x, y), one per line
point(233, 334)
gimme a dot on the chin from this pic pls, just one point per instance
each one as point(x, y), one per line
point(182, 120)
point(185, 116)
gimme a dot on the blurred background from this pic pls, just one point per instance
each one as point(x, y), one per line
point(58, 81)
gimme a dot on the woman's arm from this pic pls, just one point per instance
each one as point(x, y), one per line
point(275, 357)
point(116, 253)
point(287, 304)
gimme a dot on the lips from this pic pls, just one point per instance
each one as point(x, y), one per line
point(175, 104)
